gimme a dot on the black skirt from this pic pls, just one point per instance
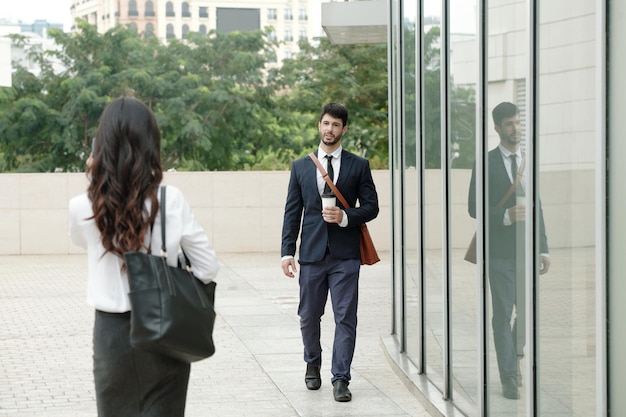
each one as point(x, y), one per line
point(131, 382)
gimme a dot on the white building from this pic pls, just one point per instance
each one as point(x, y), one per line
point(5, 52)
point(290, 20)
point(10, 53)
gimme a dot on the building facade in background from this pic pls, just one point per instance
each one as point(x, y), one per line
point(39, 27)
point(290, 20)
point(35, 35)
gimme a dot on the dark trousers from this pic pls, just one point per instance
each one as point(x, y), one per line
point(341, 278)
point(506, 280)
point(132, 382)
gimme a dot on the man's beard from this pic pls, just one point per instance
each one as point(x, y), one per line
point(514, 140)
point(331, 141)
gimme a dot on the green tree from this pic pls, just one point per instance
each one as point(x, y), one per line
point(208, 93)
point(218, 106)
point(462, 118)
point(30, 127)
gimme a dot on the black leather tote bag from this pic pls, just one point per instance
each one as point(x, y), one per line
point(171, 310)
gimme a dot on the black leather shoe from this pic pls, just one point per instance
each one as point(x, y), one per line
point(509, 388)
point(341, 391)
point(312, 377)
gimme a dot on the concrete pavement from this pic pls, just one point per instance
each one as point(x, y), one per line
point(45, 345)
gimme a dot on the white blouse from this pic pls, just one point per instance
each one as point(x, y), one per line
point(107, 287)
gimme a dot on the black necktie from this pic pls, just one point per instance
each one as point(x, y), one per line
point(518, 189)
point(331, 173)
point(513, 166)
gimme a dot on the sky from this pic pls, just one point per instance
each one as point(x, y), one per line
point(54, 11)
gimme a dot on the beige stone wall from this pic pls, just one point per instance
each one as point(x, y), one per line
point(243, 211)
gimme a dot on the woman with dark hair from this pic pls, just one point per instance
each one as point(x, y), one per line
point(115, 216)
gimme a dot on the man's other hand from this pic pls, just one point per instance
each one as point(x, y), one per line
point(289, 267)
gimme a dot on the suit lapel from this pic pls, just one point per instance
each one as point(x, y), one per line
point(312, 179)
point(347, 164)
point(499, 176)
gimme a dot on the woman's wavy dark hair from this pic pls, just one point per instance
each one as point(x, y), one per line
point(125, 171)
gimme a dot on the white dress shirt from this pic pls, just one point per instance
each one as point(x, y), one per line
point(336, 161)
point(107, 286)
point(321, 182)
point(506, 156)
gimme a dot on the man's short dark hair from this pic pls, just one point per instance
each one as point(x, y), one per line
point(337, 111)
point(502, 111)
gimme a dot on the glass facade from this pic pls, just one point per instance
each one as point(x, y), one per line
point(520, 332)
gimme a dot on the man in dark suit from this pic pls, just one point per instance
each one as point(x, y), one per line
point(506, 243)
point(329, 253)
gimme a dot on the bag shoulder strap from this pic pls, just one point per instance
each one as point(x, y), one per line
point(162, 208)
point(163, 247)
point(328, 181)
point(513, 186)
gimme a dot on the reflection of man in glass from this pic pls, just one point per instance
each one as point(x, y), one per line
point(506, 242)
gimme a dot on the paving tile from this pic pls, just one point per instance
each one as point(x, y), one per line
point(257, 370)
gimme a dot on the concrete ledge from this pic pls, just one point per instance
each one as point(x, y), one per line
point(429, 396)
point(355, 22)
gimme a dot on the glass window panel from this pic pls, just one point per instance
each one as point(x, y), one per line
point(507, 55)
point(567, 143)
point(617, 201)
point(149, 30)
point(132, 8)
point(462, 145)
point(433, 192)
point(398, 323)
point(186, 12)
point(149, 9)
point(410, 96)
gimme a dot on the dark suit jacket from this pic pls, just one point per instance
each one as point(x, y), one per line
point(502, 239)
point(304, 207)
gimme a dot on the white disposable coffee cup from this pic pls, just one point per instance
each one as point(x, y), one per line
point(520, 200)
point(328, 200)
